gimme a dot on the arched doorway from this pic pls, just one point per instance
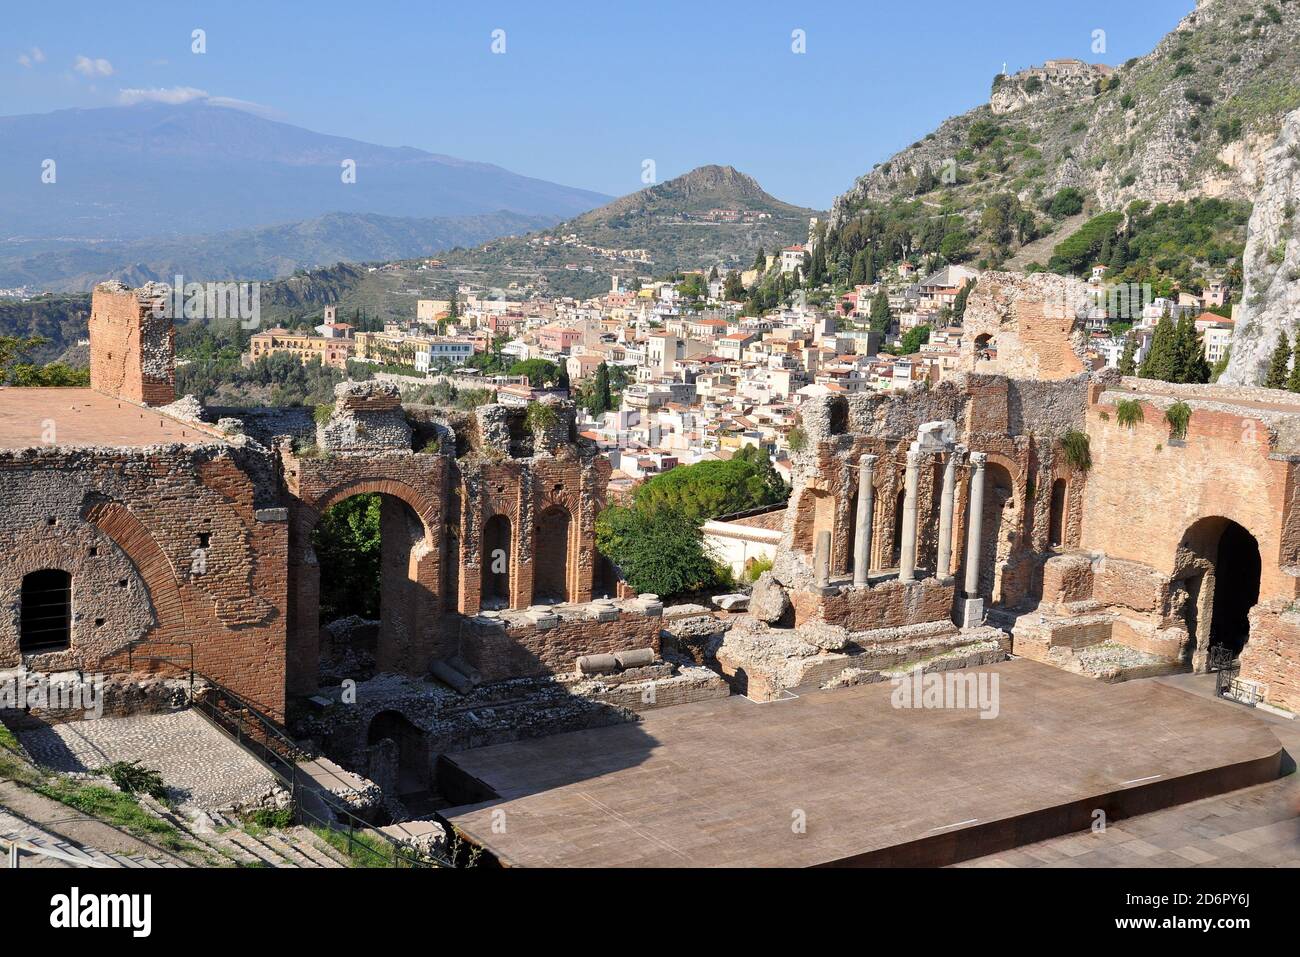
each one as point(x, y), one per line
point(495, 560)
point(998, 531)
point(1219, 565)
point(368, 549)
point(551, 563)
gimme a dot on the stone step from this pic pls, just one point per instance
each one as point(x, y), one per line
point(282, 847)
point(315, 848)
point(252, 846)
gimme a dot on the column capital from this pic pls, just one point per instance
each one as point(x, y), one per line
point(979, 459)
point(915, 457)
point(868, 461)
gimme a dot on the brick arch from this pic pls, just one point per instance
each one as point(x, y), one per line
point(129, 534)
point(406, 643)
point(309, 512)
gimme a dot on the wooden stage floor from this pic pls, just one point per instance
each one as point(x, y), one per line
point(844, 778)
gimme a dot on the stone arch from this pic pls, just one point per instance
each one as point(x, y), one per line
point(162, 584)
point(411, 580)
point(553, 544)
point(1216, 582)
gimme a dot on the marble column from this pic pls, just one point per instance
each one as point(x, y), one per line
point(943, 565)
point(907, 551)
point(862, 521)
point(974, 527)
point(822, 559)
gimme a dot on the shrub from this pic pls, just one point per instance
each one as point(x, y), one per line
point(131, 778)
point(321, 414)
point(540, 417)
point(1128, 412)
point(1077, 450)
point(1177, 416)
point(796, 439)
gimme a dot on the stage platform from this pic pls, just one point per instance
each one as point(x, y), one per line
point(843, 777)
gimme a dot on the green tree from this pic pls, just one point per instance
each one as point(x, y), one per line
point(1190, 364)
point(707, 489)
point(346, 542)
point(733, 290)
point(1127, 359)
point(539, 371)
point(760, 260)
point(1277, 364)
point(761, 459)
point(1293, 379)
point(600, 401)
point(657, 551)
point(880, 314)
point(959, 304)
point(913, 339)
point(1162, 361)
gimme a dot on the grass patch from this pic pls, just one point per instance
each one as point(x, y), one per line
point(363, 850)
point(111, 806)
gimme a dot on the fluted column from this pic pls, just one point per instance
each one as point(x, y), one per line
point(862, 521)
point(943, 564)
point(907, 551)
point(974, 527)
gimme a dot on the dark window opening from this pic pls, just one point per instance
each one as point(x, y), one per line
point(1056, 522)
point(46, 616)
point(204, 539)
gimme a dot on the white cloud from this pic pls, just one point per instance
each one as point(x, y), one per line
point(96, 67)
point(246, 106)
point(32, 56)
point(171, 94)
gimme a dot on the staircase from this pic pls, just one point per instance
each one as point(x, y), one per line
point(38, 848)
point(295, 846)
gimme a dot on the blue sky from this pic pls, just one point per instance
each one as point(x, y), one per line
point(585, 91)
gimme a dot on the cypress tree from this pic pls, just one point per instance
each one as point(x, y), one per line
point(1293, 380)
point(1161, 361)
point(1189, 355)
point(1277, 364)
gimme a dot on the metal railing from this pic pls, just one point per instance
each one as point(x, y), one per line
point(19, 847)
point(257, 734)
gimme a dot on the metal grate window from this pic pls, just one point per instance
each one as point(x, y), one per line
point(46, 619)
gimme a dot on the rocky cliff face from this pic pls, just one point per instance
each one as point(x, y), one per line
point(1271, 304)
point(1192, 118)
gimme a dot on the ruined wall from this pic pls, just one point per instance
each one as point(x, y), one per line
point(1033, 322)
point(523, 645)
point(132, 348)
point(170, 544)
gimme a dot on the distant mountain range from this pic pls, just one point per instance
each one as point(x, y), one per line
point(268, 252)
point(218, 192)
point(713, 215)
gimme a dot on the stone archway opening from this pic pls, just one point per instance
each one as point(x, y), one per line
point(998, 530)
point(1221, 568)
point(367, 548)
point(495, 560)
point(400, 761)
point(551, 561)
